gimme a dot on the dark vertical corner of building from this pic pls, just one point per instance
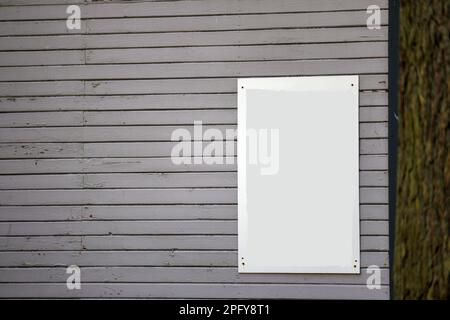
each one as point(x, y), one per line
point(394, 30)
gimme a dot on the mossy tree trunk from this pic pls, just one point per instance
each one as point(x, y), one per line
point(422, 244)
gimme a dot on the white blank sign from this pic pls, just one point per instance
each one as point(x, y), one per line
point(298, 175)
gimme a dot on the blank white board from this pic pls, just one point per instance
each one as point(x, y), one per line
point(298, 175)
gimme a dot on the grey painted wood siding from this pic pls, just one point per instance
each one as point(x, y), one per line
point(85, 123)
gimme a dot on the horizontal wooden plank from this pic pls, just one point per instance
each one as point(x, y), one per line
point(11, 89)
point(116, 133)
point(144, 258)
point(170, 227)
point(208, 291)
point(33, 243)
point(192, 23)
point(127, 227)
point(227, 85)
point(199, 70)
point(374, 243)
point(42, 119)
point(105, 165)
point(140, 149)
point(12, 28)
point(41, 58)
point(196, 54)
point(39, 2)
point(374, 227)
point(127, 102)
point(120, 212)
point(373, 130)
point(225, 22)
point(137, 133)
point(376, 195)
point(373, 114)
point(136, 180)
point(160, 117)
point(45, 150)
point(373, 146)
point(126, 87)
point(118, 196)
point(168, 8)
point(111, 165)
point(178, 274)
point(145, 212)
point(101, 118)
point(41, 88)
point(237, 53)
point(146, 102)
point(104, 149)
point(146, 180)
point(166, 117)
point(138, 242)
point(200, 38)
point(46, 42)
point(64, 181)
point(374, 212)
point(374, 178)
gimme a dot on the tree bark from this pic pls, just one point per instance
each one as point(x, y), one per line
point(421, 259)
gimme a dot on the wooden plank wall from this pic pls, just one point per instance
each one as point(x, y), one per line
point(85, 122)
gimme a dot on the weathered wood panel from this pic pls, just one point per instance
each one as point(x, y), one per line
point(146, 102)
point(147, 180)
point(148, 196)
point(166, 117)
point(143, 258)
point(378, 161)
point(41, 119)
point(196, 69)
point(191, 23)
point(167, 8)
point(238, 53)
point(123, 212)
point(199, 38)
point(214, 291)
point(137, 133)
point(86, 118)
point(195, 54)
point(139, 242)
point(369, 227)
point(177, 275)
point(28, 58)
point(145, 212)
